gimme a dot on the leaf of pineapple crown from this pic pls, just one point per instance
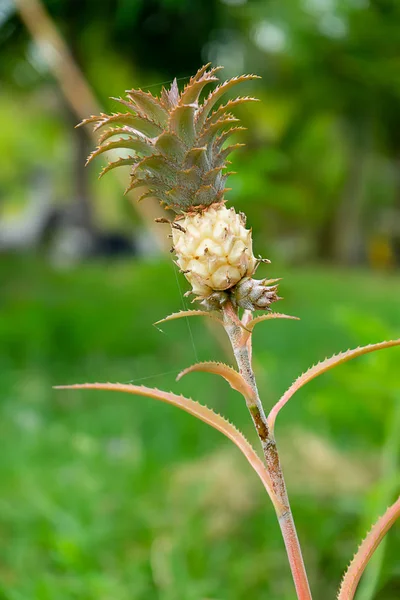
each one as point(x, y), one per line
point(174, 144)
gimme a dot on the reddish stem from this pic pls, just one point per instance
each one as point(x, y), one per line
point(240, 338)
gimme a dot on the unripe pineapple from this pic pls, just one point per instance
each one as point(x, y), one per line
point(177, 152)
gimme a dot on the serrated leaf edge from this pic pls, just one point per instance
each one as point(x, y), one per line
point(205, 414)
point(233, 377)
point(322, 367)
point(365, 551)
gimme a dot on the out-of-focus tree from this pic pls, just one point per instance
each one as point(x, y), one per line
point(333, 67)
point(117, 45)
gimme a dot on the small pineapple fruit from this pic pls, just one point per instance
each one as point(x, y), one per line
point(214, 249)
point(177, 153)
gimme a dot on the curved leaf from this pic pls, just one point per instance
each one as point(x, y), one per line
point(216, 94)
point(193, 89)
point(155, 165)
point(197, 410)
point(224, 108)
point(125, 129)
point(221, 139)
point(136, 144)
point(251, 324)
point(215, 129)
point(154, 183)
point(357, 566)
point(181, 122)
point(321, 368)
point(120, 162)
point(207, 194)
point(141, 122)
point(201, 72)
point(171, 146)
point(221, 157)
point(148, 105)
point(197, 157)
point(233, 377)
point(189, 313)
point(169, 98)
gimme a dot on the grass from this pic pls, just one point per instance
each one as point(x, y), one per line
point(113, 498)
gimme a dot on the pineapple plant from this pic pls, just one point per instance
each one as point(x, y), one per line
point(178, 152)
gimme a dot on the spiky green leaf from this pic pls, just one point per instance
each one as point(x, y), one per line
point(125, 130)
point(181, 122)
point(170, 98)
point(130, 143)
point(197, 157)
point(193, 89)
point(216, 95)
point(215, 129)
point(142, 124)
point(148, 105)
point(226, 108)
point(155, 165)
point(171, 146)
point(121, 162)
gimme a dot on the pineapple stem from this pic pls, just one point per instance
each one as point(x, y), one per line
point(240, 339)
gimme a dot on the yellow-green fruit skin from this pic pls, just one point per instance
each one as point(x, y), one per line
point(213, 249)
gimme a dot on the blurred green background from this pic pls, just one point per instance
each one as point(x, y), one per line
point(111, 498)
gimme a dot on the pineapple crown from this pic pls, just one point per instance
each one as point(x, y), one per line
point(176, 143)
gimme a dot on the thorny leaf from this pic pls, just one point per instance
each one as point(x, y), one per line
point(321, 368)
point(361, 559)
point(140, 122)
point(203, 413)
point(200, 73)
point(224, 108)
point(182, 132)
point(190, 313)
point(155, 183)
point(193, 89)
point(206, 193)
point(215, 95)
point(170, 98)
point(155, 165)
point(233, 377)
point(221, 158)
point(214, 130)
point(120, 162)
point(127, 130)
point(197, 157)
point(181, 122)
point(251, 324)
point(148, 105)
point(171, 146)
point(214, 177)
point(132, 143)
point(189, 178)
point(216, 148)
